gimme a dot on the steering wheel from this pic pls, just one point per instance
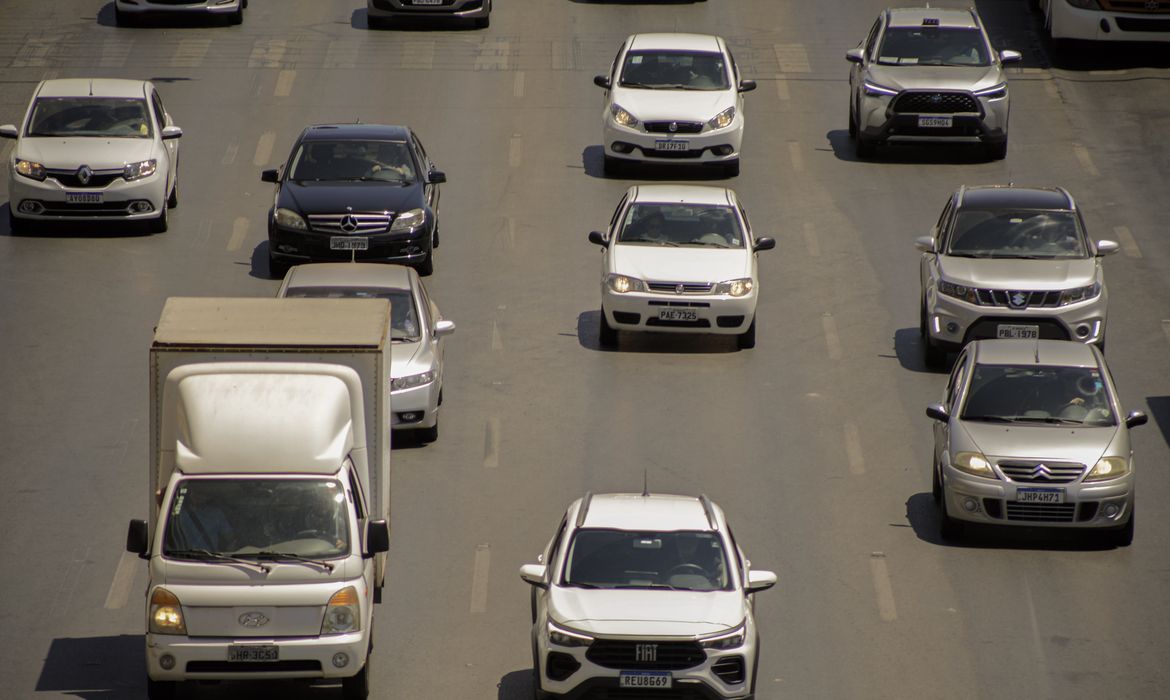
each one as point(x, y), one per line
point(687, 569)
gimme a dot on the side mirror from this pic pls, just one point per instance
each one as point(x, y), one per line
point(856, 55)
point(9, 131)
point(171, 132)
point(760, 581)
point(601, 81)
point(764, 244)
point(137, 538)
point(1136, 418)
point(747, 85)
point(599, 238)
point(534, 574)
point(1107, 248)
point(925, 244)
point(377, 537)
point(938, 412)
point(436, 177)
point(443, 328)
point(1010, 56)
point(270, 176)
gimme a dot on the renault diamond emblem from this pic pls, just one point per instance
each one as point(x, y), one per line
point(253, 620)
point(679, 289)
point(349, 223)
point(1018, 300)
point(645, 652)
point(673, 127)
point(84, 174)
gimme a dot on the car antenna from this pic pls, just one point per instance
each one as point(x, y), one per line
point(91, 87)
point(1037, 351)
point(645, 483)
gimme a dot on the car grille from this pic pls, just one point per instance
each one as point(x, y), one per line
point(936, 102)
point(1042, 472)
point(177, 2)
point(1002, 297)
point(364, 223)
point(680, 127)
point(1135, 24)
point(612, 653)
point(673, 287)
point(1042, 512)
point(1135, 6)
point(99, 179)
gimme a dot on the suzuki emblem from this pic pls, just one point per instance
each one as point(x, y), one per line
point(253, 620)
point(645, 652)
point(84, 174)
point(1018, 300)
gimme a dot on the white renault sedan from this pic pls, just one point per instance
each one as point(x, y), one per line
point(93, 149)
point(673, 98)
point(682, 259)
point(417, 332)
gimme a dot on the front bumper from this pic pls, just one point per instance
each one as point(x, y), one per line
point(302, 246)
point(952, 323)
point(977, 500)
point(1073, 23)
point(205, 658)
point(641, 311)
point(212, 7)
point(877, 121)
point(471, 9)
point(116, 199)
point(422, 401)
point(707, 146)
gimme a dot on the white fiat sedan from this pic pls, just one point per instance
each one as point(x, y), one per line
point(417, 330)
point(673, 98)
point(681, 259)
point(93, 149)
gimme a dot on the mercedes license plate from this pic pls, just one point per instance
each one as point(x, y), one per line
point(672, 145)
point(83, 197)
point(349, 243)
point(936, 122)
point(253, 652)
point(1006, 330)
point(426, 2)
point(678, 315)
point(1025, 495)
point(644, 679)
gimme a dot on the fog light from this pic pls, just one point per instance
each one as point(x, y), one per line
point(286, 248)
point(1082, 330)
point(724, 150)
point(1111, 510)
point(952, 327)
point(340, 659)
point(622, 147)
point(410, 416)
point(1104, 26)
point(970, 504)
point(141, 206)
point(29, 206)
point(166, 661)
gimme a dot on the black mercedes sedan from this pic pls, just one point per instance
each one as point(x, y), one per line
point(355, 192)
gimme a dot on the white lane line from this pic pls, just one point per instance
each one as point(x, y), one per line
point(795, 156)
point(509, 232)
point(68, 581)
point(1038, 646)
point(882, 587)
point(239, 234)
point(515, 151)
point(230, 153)
point(479, 578)
point(284, 83)
point(119, 592)
point(812, 242)
point(35, 52)
point(518, 85)
point(497, 339)
point(190, 53)
point(267, 53)
point(493, 55)
point(782, 88)
point(1128, 243)
point(1052, 89)
point(1085, 160)
point(491, 443)
point(563, 55)
point(115, 52)
point(792, 58)
point(832, 340)
point(418, 55)
point(200, 239)
point(264, 148)
point(853, 449)
point(341, 54)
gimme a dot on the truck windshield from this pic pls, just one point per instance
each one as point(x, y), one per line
point(247, 518)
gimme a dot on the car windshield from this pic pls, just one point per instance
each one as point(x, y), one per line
point(933, 46)
point(698, 225)
point(1039, 394)
point(347, 160)
point(684, 560)
point(991, 233)
point(677, 70)
point(403, 319)
point(255, 517)
point(110, 117)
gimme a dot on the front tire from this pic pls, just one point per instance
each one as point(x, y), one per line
point(173, 199)
point(933, 356)
point(607, 335)
point(426, 268)
point(731, 169)
point(160, 223)
point(161, 690)
point(1123, 536)
point(427, 435)
point(866, 147)
point(747, 339)
point(949, 529)
point(17, 226)
point(613, 167)
point(357, 687)
point(852, 122)
point(996, 150)
point(277, 267)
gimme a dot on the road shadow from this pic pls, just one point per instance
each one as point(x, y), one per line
point(515, 685)
point(845, 149)
point(923, 516)
point(588, 323)
point(593, 159)
point(73, 229)
point(908, 348)
point(258, 265)
point(636, 2)
point(1160, 411)
point(110, 668)
point(186, 20)
point(360, 19)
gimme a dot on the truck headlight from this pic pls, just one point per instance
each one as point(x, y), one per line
point(623, 117)
point(408, 221)
point(1108, 468)
point(623, 284)
point(725, 640)
point(958, 291)
point(974, 464)
point(411, 381)
point(565, 637)
point(166, 614)
point(736, 288)
point(30, 169)
point(1072, 296)
point(289, 219)
point(723, 119)
point(342, 614)
point(139, 170)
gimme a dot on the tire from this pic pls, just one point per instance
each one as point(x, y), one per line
point(747, 339)
point(852, 122)
point(607, 335)
point(426, 268)
point(949, 529)
point(731, 169)
point(866, 147)
point(277, 268)
point(377, 22)
point(237, 17)
point(1123, 536)
point(935, 485)
point(160, 223)
point(161, 690)
point(613, 167)
point(124, 19)
point(426, 435)
point(173, 198)
point(933, 356)
point(483, 22)
point(357, 686)
point(18, 227)
point(996, 150)
point(1101, 346)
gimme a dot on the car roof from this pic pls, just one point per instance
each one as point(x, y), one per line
point(1010, 197)
point(371, 132)
point(946, 16)
point(690, 194)
point(1050, 353)
point(347, 274)
point(634, 511)
point(96, 87)
point(672, 41)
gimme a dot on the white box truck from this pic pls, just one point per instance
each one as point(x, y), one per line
point(270, 489)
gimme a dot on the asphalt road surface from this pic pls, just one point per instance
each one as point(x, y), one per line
point(815, 442)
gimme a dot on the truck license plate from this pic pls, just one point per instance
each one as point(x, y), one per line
point(678, 315)
point(1005, 330)
point(349, 243)
point(672, 145)
point(253, 652)
point(935, 122)
point(1024, 495)
point(644, 679)
point(83, 197)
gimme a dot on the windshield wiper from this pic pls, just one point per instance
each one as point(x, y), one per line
point(578, 584)
point(207, 555)
point(650, 585)
point(277, 556)
point(991, 419)
point(710, 243)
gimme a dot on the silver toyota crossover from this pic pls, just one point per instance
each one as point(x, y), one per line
point(1030, 432)
point(928, 74)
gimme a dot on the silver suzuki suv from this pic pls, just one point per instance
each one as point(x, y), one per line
point(928, 74)
point(1010, 262)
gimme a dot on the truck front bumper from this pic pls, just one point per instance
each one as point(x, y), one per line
point(178, 658)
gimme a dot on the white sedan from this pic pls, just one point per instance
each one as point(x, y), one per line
point(673, 98)
point(93, 149)
point(417, 332)
point(681, 259)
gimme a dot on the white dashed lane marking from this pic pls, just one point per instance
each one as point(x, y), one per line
point(794, 154)
point(793, 58)
point(264, 148)
point(239, 234)
point(491, 443)
point(268, 53)
point(1085, 160)
point(190, 53)
point(782, 89)
point(518, 85)
point(1128, 243)
point(853, 449)
point(284, 83)
point(882, 587)
point(479, 578)
point(119, 592)
point(812, 242)
point(832, 340)
point(515, 150)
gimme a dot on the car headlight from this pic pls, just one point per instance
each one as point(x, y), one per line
point(723, 119)
point(622, 284)
point(725, 640)
point(736, 288)
point(411, 381)
point(565, 637)
point(994, 92)
point(342, 613)
point(1072, 296)
point(1108, 468)
point(166, 614)
point(958, 291)
point(139, 170)
point(1084, 4)
point(875, 90)
point(974, 464)
point(31, 169)
point(623, 117)
point(408, 221)
point(289, 219)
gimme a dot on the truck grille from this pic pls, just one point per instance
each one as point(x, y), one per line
point(656, 656)
point(359, 223)
point(1042, 472)
point(936, 102)
point(1135, 6)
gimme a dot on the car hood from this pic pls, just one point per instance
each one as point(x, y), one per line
point(1021, 441)
point(690, 264)
point(407, 358)
point(651, 613)
point(673, 105)
point(333, 197)
point(1019, 274)
point(936, 77)
point(57, 153)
